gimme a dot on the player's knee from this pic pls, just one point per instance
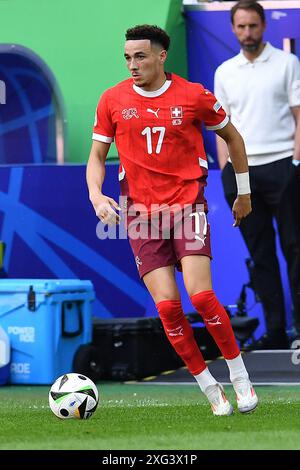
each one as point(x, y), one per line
point(161, 295)
point(210, 309)
point(170, 311)
point(205, 302)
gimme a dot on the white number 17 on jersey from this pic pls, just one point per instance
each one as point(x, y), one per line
point(148, 133)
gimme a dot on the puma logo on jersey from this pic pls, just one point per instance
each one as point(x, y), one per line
point(153, 112)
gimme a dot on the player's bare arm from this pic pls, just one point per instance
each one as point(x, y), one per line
point(242, 205)
point(222, 152)
point(104, 206)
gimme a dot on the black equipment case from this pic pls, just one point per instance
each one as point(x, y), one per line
point(134, 348)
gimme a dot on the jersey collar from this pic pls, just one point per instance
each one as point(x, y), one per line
point(153, 94)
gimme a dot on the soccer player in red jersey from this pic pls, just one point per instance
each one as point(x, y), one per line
point(155, 119)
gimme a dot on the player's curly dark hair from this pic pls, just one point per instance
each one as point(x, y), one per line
point(146, 31)
point(248, 5)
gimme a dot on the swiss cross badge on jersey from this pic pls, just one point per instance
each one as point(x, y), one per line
point(176, 112)
point(176, 115)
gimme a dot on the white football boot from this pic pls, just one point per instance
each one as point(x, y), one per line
point(219, 404)
point(246, 397)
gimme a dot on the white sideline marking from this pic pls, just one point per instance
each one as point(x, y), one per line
point(223, 383)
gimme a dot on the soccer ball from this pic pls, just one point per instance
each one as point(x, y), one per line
point(73, 396)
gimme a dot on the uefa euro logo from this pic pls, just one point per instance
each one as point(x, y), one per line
point(2, 92)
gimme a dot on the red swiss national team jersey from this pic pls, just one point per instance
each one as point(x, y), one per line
point(158, 138)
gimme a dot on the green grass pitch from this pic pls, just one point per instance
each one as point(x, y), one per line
point(148, 417)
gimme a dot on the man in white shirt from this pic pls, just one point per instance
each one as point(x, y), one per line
point(260, 90)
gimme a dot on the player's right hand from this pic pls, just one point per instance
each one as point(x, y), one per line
point(241, 208)
point(105, 208)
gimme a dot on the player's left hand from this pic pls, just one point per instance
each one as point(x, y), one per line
point(241, 208)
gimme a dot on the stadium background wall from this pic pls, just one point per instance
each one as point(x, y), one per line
point(49, 228)
point(82, 44)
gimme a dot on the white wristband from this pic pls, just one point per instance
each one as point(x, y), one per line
point(243, 183)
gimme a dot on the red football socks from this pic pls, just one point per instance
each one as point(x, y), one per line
point(217, 322)
point(180, 334)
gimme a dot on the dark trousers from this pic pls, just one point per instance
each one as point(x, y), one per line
point(275, 190)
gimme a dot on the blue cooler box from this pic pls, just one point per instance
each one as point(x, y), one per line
point(46, 321)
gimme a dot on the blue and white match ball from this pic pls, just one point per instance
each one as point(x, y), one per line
point(73, 396)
